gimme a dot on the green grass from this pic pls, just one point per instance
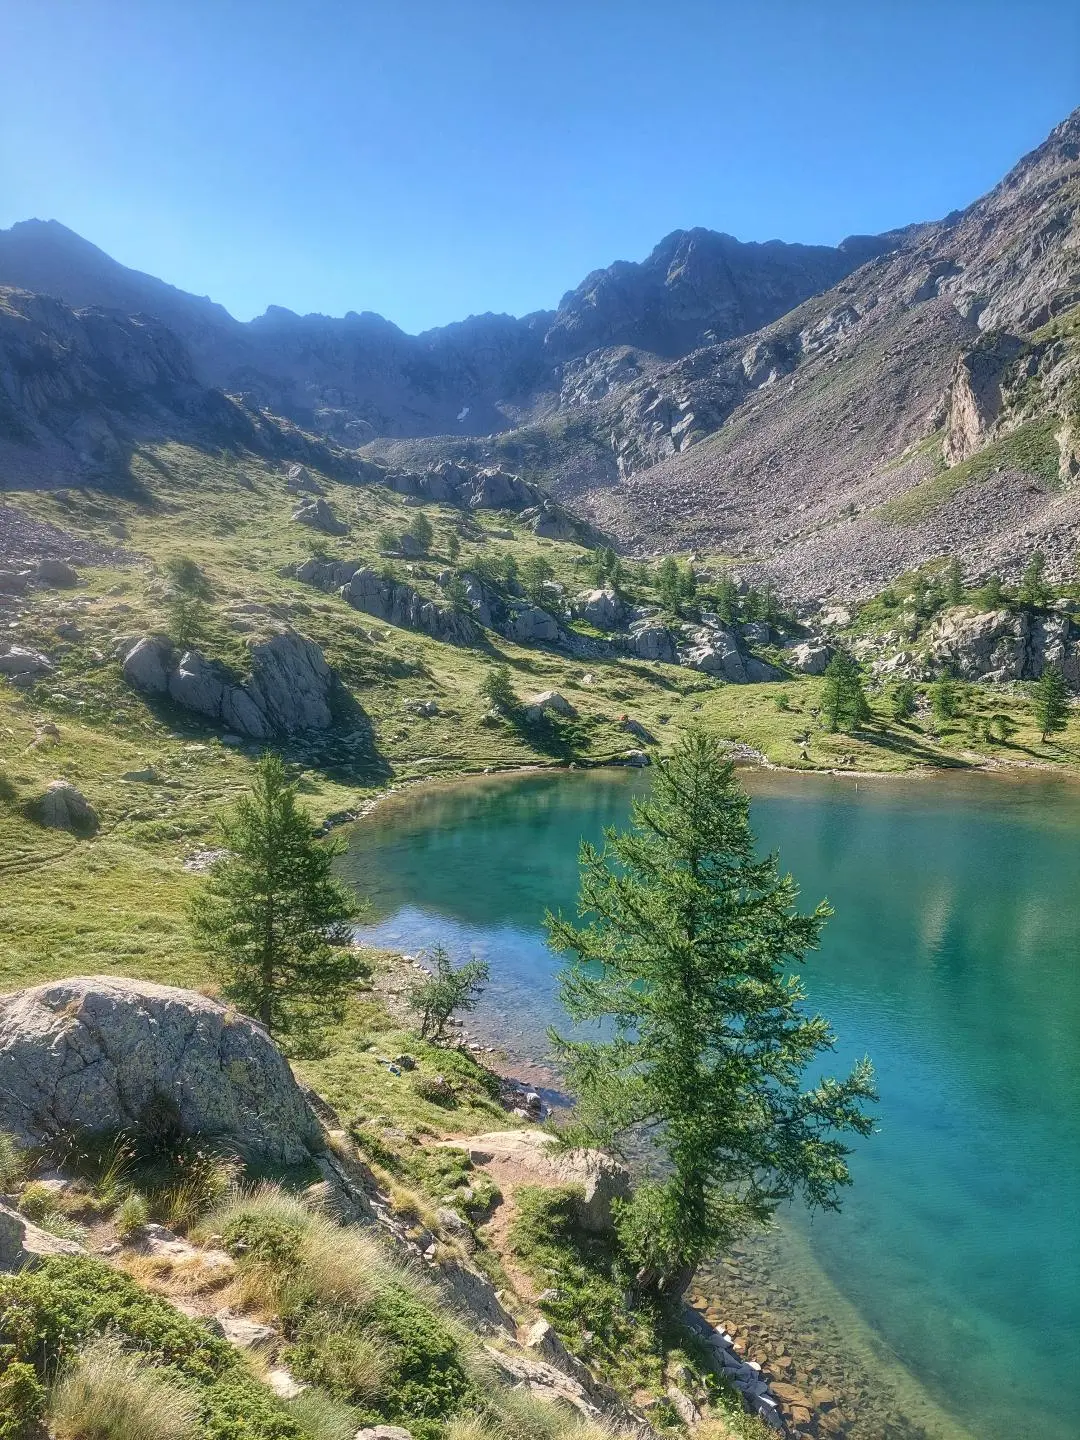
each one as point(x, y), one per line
point(1030, 448)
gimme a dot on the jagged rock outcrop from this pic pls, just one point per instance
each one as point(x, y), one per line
point(716, 652)
point(319, 514)
point(531, 625)
point(1004, 645)
point(96, 1053)
point(602, 608)
point(650, 641)
point(809, 657)
point(288, 690)
point(975, 394)
point(400, 604)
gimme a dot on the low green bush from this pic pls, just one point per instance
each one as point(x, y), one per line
point(47, 1315)
point(22, 1399)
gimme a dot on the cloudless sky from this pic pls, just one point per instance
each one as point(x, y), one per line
point(432, 158)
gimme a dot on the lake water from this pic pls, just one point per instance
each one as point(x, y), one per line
point(953, 960)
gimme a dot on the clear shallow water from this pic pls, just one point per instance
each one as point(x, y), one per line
point(953, 960)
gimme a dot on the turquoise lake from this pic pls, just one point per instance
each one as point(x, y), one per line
point(953, 960)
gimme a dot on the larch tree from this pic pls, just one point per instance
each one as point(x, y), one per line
point(274, 920)
point(1050, 701)
point(684, 948)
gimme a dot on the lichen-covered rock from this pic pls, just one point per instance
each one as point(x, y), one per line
point(653, 642)
point(809, 658)
point(146, 665)
point(716, 653)
point(552, 700)
point(94, 1053)
point(64, 807)
point(602, 608)
point(1003, 645)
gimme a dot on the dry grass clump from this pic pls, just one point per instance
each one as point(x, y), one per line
point(518, 1414)
point(109, 1395)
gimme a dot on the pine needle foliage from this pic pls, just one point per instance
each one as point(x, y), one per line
point(273, 918)
point(685, 950)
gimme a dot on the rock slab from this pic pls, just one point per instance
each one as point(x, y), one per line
point(93, 1053)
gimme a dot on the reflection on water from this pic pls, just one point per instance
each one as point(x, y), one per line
point(951, 960)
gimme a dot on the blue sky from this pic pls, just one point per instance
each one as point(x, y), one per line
point(430, 160)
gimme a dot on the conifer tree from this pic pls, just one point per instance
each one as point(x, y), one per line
point(727, 599)
point(1050, 701)
point(844, 705)
point(274, 920)
point(497, 689)
point(902, 700)
point(686, 945)
point(954, 582)
point(669, 584)
point(536, 571)
point(422, 530)
point(1034, 589)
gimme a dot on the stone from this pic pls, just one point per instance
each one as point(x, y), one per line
point(810, 657)
point(299, 478)
point(283, 1384)
point(12, 583)
point(451, 1222)
point(636, 728)
point(63, 807)
point(317, 513)
point(146, 665)
point(683, 1405)
point(552, 700)
point(20, 661)
point(57, 573)
point(602, 1179)
point(533, 624)
point(653, 642)
point(24, 1244)
point(400, 604)
point(756, 632)
point(716, 653)
point(383, 1432)
point(245, 1334)
point(94, 1052)
point(602, 608)
point(638, 758)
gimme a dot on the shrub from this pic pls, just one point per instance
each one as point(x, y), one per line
point(435, 1090)
point(22, 1400)
point(321, 1417)
point(334, 1352)
point(446, 990)
point(38, 1201)
point(8, 790)
point(109, 1395)
point(132, 1215)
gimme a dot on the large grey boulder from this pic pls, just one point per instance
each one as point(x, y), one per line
point(57, 573)
point(1002, 645)
point(716, 653)
point(317, 513)
point(18, 661)
point(809, 658)
point(146, 667)
point(532, 624)
point(94, 1053)
point(653, 642)
point(300, 480)
point(602, 608)
point(64, 807)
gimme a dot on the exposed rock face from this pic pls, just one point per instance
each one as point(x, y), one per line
point(318, 513)
point(653, 642)
point(715, 652)
point(975, 395)
point(601, 1178)
point(400, 604)
point(810, 657)
point(602, 608)
point(23, 1244)
point(289, 688)
point(94, 1053)
point(1000, 645)
point(63, 807)
point(531, 624)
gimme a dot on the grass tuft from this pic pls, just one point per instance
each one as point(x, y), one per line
point(107, 1394)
